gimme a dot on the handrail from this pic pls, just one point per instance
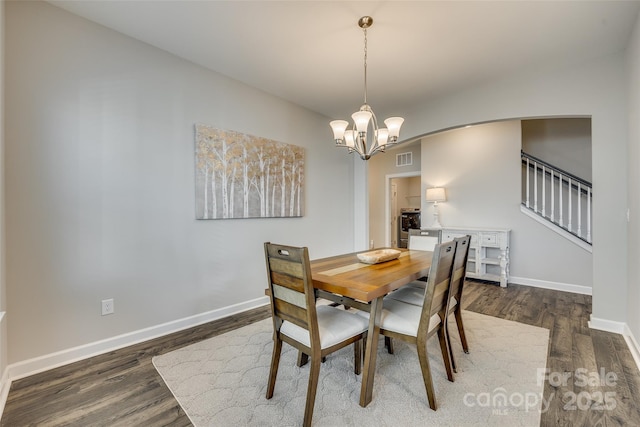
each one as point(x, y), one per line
point(555, 168)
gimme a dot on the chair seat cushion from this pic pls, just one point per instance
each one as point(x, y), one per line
point(420, 284)
point(401, 317)
point(415, 296)
point(334, 325)
point(407, 294)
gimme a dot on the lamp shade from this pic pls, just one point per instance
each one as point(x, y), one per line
point(339, 126)
point(436, 194)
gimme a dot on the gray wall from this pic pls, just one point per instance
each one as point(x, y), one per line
point(563, 142)
point(633, 178)
point(3, 288)
point(100, 185)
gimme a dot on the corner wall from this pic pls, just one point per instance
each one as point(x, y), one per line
point(4, 381)
point(633, 178)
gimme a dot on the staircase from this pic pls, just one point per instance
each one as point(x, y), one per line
point(557, 199)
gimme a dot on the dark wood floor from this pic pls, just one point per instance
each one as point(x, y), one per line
point(122, 388)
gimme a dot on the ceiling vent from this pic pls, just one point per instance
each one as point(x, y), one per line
point(404, 159)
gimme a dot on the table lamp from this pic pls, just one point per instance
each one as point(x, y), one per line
point(435, 195)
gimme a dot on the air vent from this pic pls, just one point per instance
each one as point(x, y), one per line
point(404, 159)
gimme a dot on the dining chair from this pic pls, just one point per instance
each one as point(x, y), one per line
point(415, 295)
point(457, 286)
point(416, 324)
point(315, 330)
point(421, 243)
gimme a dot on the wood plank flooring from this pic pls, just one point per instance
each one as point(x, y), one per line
point(122, 388)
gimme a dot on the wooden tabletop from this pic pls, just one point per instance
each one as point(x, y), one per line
point(346, 275)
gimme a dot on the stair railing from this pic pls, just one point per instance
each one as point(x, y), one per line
point(557, 196)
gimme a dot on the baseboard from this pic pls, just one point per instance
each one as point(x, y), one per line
point(5, 385)
point(618, 328)
point(607, 325)
point(5, 382)
point(565, 287)
point(64, 357)
point(633, 344)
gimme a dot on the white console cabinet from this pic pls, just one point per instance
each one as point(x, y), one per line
point(488, 253)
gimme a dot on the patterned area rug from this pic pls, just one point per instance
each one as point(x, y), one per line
point(222, 381)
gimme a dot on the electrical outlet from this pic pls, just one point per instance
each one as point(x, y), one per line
point(107, 306)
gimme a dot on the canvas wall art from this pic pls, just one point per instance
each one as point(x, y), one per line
point(245, 176)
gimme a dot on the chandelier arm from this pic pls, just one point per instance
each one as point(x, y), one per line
point(374, 134)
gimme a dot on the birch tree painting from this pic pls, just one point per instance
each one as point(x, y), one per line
point(244, 176)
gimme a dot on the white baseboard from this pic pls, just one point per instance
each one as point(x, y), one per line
point(5, 382)
point(5, 385)
point(607, 325)
point(633, 344)
point(64, 357)
point(618, 328)
point(565, 287)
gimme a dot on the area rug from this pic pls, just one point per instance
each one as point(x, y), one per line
point(222, 381)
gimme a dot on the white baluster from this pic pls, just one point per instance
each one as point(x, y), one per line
point(528, 188)
point(588, 214)
point(569, 224)
point(535, 187)
point(553, 199)
point(544, 193)
point(561, 207)
point(579, 232)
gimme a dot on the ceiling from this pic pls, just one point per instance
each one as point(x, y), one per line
point(311, 52)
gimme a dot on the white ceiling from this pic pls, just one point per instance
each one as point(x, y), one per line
point(311, 52)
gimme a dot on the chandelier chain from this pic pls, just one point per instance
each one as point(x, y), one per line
point(365, 65)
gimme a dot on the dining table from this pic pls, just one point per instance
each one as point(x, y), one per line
point(344, 279)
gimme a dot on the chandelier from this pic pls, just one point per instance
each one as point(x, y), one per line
point(358, 138)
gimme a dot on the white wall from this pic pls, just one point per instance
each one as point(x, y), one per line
point(100, 185)
point(480, 168)
point(3, 289)
point(633, 178)
point(596, 89)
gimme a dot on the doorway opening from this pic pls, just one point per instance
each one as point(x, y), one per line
point(403, 191)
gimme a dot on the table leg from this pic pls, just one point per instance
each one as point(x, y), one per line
point(366, 392)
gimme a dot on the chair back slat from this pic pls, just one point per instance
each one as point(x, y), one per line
point(460, 265)
point(283, 279)
point(436, 297)
point(291, 287)
point(440, 294)
point(289, 295)
point(290, 312)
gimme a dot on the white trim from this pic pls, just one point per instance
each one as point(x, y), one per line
point(632, 343)
point(607, 325)
point(565, 287)
point(387, 207)
point(5, 382)
point(64, 357)
point(557, 229)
